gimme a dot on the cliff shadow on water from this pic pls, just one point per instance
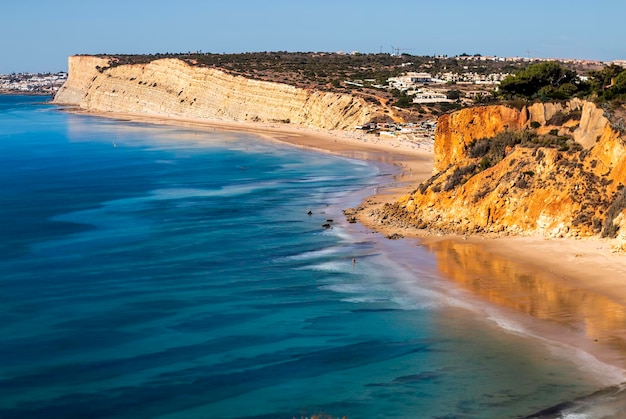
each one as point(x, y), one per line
point(533, 292)
point(589, 321)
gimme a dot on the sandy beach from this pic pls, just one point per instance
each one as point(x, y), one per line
point(576, 287)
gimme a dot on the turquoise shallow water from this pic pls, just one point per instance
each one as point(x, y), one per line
point(153, 271)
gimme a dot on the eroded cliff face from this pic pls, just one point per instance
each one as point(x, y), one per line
point(174, 88)
point(457, 130)
point(534, 189)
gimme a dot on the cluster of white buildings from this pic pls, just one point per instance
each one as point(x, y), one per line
point(577, 61)
point(410, 81)
point(426, 128)
point(471, 78)
point(414, 84)
point(32, 83)
point(429, 96)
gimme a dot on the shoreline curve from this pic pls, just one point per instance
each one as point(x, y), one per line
point(586, 265)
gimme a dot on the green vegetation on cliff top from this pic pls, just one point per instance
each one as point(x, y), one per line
point(528, 82)
point(551, 81)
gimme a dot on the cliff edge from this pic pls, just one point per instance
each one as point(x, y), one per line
point(175, 88)
point(550, 169)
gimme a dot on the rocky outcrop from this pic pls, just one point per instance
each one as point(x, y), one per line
point(536, 188)
point(455, 131)
point(175, 88)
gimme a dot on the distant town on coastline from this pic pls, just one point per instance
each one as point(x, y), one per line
point(32, 83)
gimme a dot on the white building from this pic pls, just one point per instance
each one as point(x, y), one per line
point(430, 96)
point(409, 80)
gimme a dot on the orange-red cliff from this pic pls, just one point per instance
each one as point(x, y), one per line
point(534, 189)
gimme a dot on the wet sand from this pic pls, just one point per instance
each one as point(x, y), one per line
point(568, 292)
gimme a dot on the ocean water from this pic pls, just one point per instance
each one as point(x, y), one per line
point(158, 271)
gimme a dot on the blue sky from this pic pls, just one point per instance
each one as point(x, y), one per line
point(38, 35)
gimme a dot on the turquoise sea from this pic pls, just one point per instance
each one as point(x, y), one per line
point(157, 271)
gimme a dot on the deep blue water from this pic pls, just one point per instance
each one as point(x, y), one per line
point(154, 271)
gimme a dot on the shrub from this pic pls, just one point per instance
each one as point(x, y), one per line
point(521, 183)
point(459, 176)
point(404, 101)
point(446, 106)
point(547, 93)
point(479, 148)
point(495, 148)
point(560, 118)
point(540, 155)
point(597, 225)
point(453, 94)
point(610, 229)
point(481, 194)
point(428, 182)
point(544, 80)
point(485, 163)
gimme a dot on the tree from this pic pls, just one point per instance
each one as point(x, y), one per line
point(453, 94)
point(602, 79)
point(549, 76)
point(404, 100)
point(609, 82)
point(619, 83)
